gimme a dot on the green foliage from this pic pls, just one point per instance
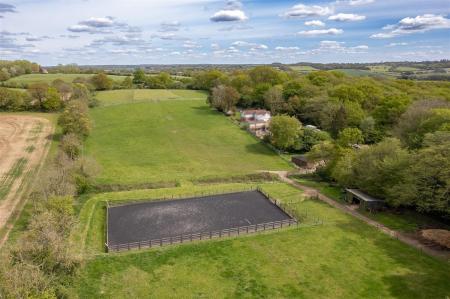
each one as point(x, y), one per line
point(426, 181)
point(12, 100)
point(266, 75)
point(390, 108)
point(374, 169)
point(350, 136)
point(74, 119)
point(139, 76)
point(127, 83)
point(285, 131)
point(52, 100)
point(206, 80)
point(422, 117)
point(312, 137)
point(101, 82)
point(224, 98)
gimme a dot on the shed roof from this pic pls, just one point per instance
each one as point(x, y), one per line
point(362, 196)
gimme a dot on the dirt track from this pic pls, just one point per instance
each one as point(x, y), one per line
point(24, 143)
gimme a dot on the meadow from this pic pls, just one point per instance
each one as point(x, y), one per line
point(49, 78)
point(161, 138)
point(343, 258)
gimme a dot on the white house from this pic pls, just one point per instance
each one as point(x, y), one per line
point(258, 115)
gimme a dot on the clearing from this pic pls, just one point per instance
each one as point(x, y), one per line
point(172, 140)
point(24, 141)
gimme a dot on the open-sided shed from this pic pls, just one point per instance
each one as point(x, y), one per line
point(365, 200)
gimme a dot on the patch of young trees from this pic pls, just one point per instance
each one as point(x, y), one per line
point(10, 69)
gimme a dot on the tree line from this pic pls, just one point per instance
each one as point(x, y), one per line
point(40, 263)
point(388, 137)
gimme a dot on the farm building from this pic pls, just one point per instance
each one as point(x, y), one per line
point(365, 201)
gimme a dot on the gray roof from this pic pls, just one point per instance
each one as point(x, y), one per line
point(362, 196)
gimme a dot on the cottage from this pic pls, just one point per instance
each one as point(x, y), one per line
point(365, 201)
point(258, 115)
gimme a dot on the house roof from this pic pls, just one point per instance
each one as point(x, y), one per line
point(255, 111)
point(362, 196)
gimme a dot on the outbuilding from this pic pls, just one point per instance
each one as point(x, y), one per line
point(365, 201)
point(302, 162)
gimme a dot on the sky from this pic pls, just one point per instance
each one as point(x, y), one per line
point(96, 32)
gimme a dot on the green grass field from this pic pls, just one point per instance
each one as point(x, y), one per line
point(49, 78)
point(171, 140)
point(133, 96)
point(303, 68)
point(343, 258)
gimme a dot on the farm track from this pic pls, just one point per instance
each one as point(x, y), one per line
point(312, 192)
point(19, 166)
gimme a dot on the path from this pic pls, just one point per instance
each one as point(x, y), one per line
point(311, 192)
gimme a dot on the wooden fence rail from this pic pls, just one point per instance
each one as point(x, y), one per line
point(230, 232)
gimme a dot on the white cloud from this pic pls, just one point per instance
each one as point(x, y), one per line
point(101, 25)
point(397, 44)
point(317, 23)
point(360, 2)
point(252, 46)
point(304, 11)
point(191, 45)
point(169, 26)
point(329, 46)
point(346, 17)
point(226, 15)
point(409, 25)
point(287, 48)
point(330, 31)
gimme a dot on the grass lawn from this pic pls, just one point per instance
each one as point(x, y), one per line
point(344, 258)
point(172, 140)
point(130, 96)
point(407, 221)
point(49, 78)
point(325, 188)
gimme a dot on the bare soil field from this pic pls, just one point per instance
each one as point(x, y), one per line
point(24, 141)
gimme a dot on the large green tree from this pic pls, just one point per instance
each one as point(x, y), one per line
point(284, 131)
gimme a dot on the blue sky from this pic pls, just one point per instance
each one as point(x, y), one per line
point(209, 31)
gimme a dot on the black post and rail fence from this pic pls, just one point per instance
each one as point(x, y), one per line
point(230, 232)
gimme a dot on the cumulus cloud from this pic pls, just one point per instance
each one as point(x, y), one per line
point(37, 38)
point(9, 43)
point(410, 25)
point(226, 15)
point(101, 25)
point(5, 8)
point(170, 26)
point(346, 17)
point(317, 23)
point(329, 31)
point(360, 2)
point(304, 11)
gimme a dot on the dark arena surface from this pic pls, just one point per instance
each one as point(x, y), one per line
point(162, 219)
